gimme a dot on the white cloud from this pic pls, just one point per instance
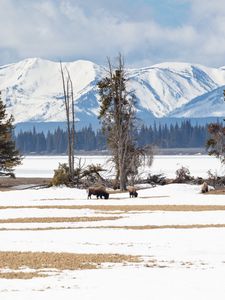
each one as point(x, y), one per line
point(92, 30)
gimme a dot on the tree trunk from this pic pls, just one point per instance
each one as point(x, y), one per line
point(69, 107)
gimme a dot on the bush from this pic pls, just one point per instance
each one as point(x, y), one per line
point(61, 175)
point(156, 179)
point(183, 175)
point(82, 176)
point(215, 180)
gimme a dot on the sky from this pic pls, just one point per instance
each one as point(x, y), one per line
point(146, 32)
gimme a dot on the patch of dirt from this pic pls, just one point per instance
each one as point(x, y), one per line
point(61, 261)
point(57, 219)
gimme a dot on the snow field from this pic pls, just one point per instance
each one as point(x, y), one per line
point(199, 165)
point(177, 263)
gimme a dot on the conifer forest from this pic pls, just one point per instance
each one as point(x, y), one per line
point(184, 135)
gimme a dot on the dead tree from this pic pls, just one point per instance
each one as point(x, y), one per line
point(70, 116)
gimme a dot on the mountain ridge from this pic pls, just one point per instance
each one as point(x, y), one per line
point(32, 90)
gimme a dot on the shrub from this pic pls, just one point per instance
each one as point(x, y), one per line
point(82, 176)
point(61, 175)
point(156, 179)
point(215, 180)
point(182, 175)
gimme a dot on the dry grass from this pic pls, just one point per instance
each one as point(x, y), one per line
point(217, 192)
point(21, 275)
point(126, 208)
point(145, 227)
point(149, 227)
point(7, 183)
point(57, 219)
point(60, 261)
point(43, 228)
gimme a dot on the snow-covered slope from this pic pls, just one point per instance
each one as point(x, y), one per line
point(32, 90)
point(209, 104)
point(165, 87)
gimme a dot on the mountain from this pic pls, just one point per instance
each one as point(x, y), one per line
point(210, 104)
point(32, 90)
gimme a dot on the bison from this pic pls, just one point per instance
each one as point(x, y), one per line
point(132, 191)
point(98, 191)
point(205, 187)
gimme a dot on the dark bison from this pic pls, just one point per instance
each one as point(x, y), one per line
point(132, 191)
point(98, 192)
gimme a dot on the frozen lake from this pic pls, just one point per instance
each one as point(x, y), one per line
point(43, 166)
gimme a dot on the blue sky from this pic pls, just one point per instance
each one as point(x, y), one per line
point(169, 12)
point(146, 32)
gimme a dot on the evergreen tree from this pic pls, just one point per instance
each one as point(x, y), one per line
point(117, 114)
point(9, 155)
point(184, 135)
point(216, 142)
point(49, 143)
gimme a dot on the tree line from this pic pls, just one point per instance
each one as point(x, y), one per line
point(184, 135)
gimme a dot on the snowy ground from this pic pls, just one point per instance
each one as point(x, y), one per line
point(43, 166)
point(177, 233)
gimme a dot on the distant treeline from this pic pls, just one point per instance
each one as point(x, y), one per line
point(184, 135)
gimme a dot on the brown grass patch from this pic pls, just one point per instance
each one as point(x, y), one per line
point(21, 275)
point(60, 261)
point(43, 228)
point(7, 183)
point(57, 219)
point(147, 227)
point(217, 192)
point(127, 208)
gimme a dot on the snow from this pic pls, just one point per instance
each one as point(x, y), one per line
point(205, 102)
point(114, 284)
point(177, 263)
point(32, 89)
point(173, 249)
point(199, 165)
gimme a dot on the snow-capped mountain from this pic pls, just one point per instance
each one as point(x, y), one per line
point(209, 104)
point(32, 90)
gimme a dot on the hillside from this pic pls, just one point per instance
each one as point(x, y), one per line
point(32, 90)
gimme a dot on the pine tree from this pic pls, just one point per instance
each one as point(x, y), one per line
point(117, 114)
point(9, 155)
point(216, 142)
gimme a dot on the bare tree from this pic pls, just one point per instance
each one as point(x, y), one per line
point(70, 116)
point(117, 114)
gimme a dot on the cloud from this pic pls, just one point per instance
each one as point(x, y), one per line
point(69, 30)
